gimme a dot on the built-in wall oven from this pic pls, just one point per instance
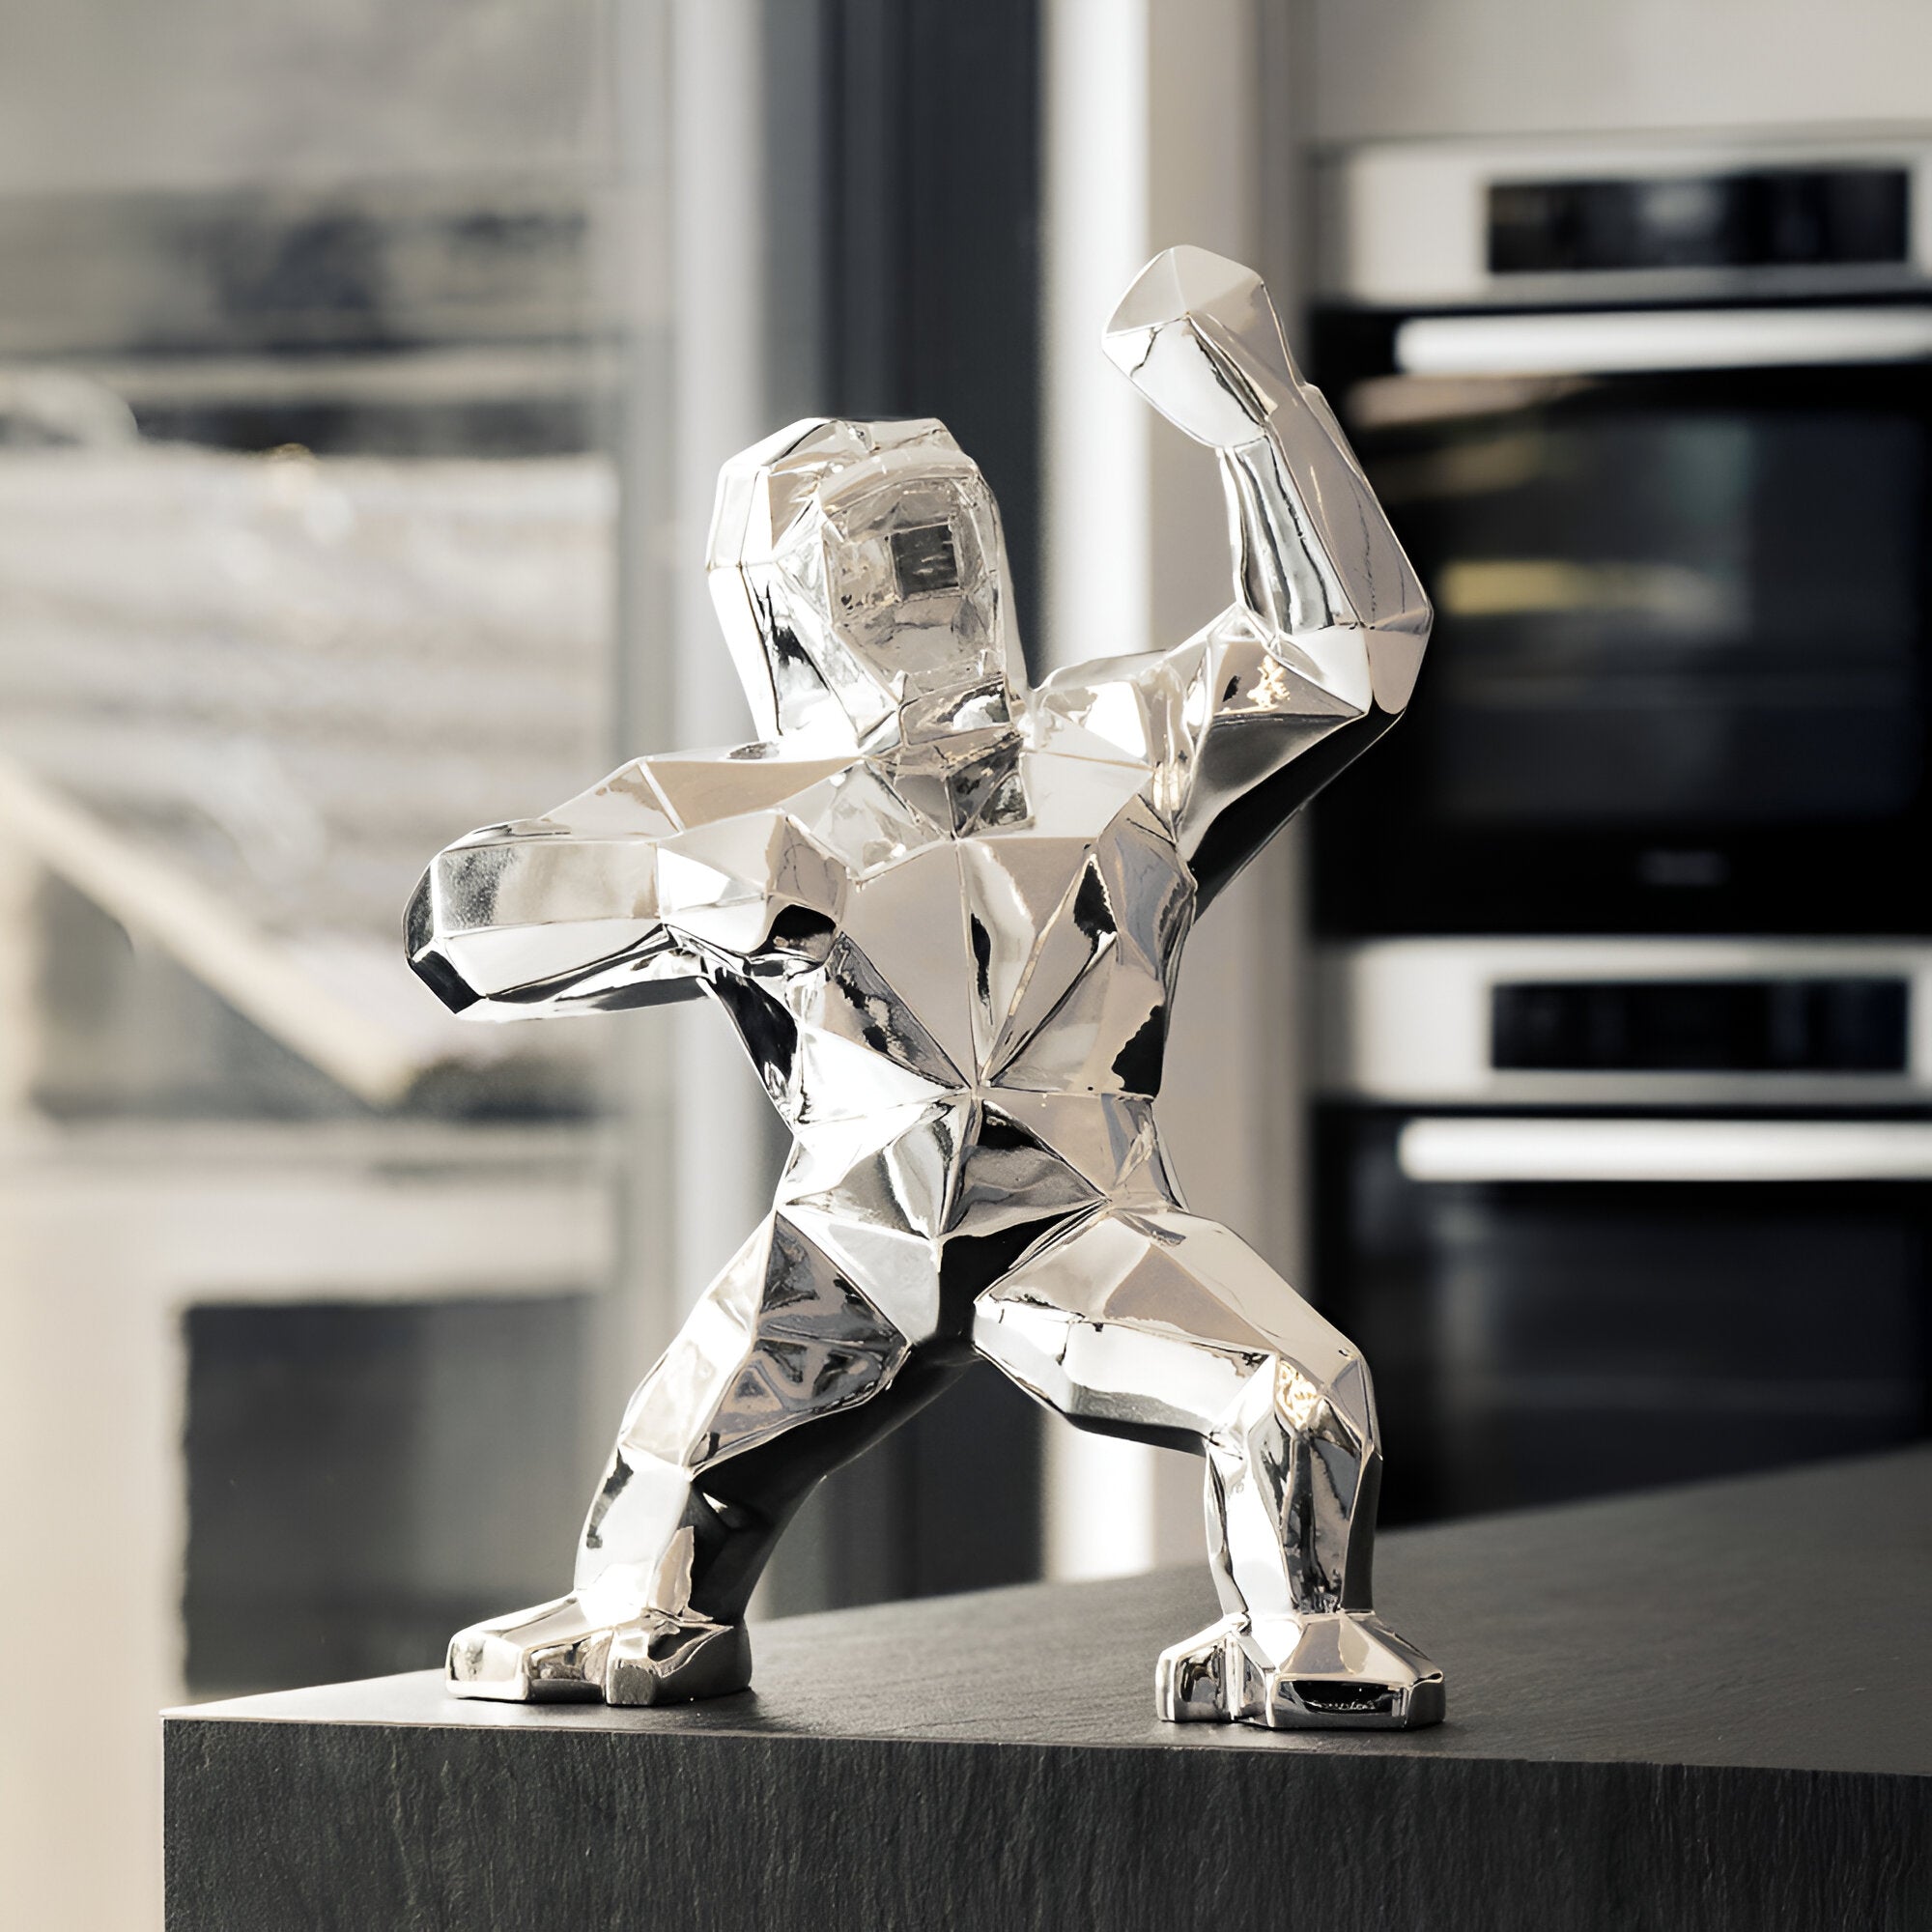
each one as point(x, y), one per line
point(1625, 988)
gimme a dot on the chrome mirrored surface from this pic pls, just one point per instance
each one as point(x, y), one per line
point(946, 913)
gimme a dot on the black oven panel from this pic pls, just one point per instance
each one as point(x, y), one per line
point(1623, 1144)
point(1846, 1025)
point(1679, 676)
point(1750, 219)
point(1534, 1341)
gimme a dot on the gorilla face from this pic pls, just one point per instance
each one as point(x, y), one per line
point(860, 573)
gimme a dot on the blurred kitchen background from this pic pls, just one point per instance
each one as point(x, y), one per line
point(364, 372)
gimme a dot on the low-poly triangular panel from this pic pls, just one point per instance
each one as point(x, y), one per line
point(825, 1150)
point(537, 962)
point(1079, 931)
point(1108, 1034)
point(1010, 1176)
point(1114, 710)
point(1013, 886)
point(906, 1183)
point(843, 1079)
point(669, 1417)
point(854, 1001)
point(537, 882)
point(820, 1346)
point(1109, 1139)
point(704, 786)
point(714, 883)
point(1077, 797)
point(1150, 887)
point(988, 793)
point(908, 922)
point(859, 819)
point(1047, 1324)
point(901, 1270)
point(624, 805)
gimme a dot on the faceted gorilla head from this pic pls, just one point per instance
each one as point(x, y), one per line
point(861, 578)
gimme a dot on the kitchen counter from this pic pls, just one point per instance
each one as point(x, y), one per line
point(1700, 1707)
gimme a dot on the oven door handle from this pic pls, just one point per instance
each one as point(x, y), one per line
point(1633, 342)
point(1466, 1149)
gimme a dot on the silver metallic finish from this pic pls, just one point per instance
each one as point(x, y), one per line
point(946, 913)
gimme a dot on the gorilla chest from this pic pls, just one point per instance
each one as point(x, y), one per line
point(1018, 958)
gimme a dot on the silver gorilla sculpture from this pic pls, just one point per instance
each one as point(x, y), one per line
point(946, 912)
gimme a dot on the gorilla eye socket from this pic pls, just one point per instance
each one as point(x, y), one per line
point(924, 559)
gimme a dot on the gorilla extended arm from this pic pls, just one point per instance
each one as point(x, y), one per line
point(1318, 653)
point(624, 896)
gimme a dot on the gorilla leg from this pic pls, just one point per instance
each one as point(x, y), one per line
point(783, 1370)
point(1167, 1329)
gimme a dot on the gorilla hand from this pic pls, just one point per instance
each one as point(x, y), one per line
point(1198, 337)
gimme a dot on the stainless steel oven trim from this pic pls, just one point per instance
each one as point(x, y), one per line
point(1401, 224)
point(1621, 342)
point(1461, 1149)
point(1406, 1021)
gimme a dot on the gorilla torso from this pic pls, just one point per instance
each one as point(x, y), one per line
point(960, 1000)
point(906, 961)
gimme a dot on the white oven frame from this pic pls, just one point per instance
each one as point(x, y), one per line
point(1408, 1022)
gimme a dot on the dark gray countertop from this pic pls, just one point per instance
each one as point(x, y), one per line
point(1705, 1639)
point(1778, 1622)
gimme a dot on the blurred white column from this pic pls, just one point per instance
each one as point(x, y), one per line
point(723, 1123)
point(1098, 143)
point(1100, 1505)
point(690, 250)
point(1155, 137)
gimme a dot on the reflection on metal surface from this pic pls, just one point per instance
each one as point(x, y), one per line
point(946, 913)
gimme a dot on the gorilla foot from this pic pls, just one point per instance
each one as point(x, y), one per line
point(1337, 1671)
point(558, 1651)
point(1191, 1681)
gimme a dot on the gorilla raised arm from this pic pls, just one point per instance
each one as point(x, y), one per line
point(1318, 654)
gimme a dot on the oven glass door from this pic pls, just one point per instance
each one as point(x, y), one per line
point(1534, 1341)
point(1678, 679)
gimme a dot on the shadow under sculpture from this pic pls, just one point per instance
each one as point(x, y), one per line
point(946, 912)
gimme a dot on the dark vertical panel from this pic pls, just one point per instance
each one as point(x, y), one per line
point(933, 197)
point(869, 209)
point(795, 51)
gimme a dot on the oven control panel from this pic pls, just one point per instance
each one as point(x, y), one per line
point(1849, 1024)
point(1479, 1021)
point(1731, 218)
